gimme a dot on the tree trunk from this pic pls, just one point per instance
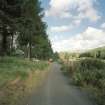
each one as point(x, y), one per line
point(11, 43)
point(29, 51)
point(4, 42)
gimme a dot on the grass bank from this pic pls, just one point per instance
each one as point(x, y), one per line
point(18, 77)
point(90, 74)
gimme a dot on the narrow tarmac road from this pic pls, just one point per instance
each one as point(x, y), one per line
point(57, 91)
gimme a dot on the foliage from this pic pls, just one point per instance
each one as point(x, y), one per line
point(22, 27)
point(89, 73)
point(95, 53)
point(66, 56)
point(42, 49)
point(9, 12)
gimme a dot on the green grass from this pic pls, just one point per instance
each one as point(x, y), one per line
point(11, 68)
point(18, 77)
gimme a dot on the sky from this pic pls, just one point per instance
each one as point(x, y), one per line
point(75, 25)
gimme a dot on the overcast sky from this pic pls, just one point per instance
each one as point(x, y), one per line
point(75, 25)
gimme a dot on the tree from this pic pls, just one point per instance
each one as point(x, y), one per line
point(23, 18)
point(31, 15)
point(9, 11)
point(34, 37)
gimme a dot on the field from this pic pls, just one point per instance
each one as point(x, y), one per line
point(88, 72)
point(18, 77)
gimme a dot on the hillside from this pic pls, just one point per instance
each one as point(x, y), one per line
point(95, 53)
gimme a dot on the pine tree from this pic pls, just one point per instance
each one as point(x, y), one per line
point(34, 36)
point(9, 11)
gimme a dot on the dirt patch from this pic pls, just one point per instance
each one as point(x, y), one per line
point(17, 90)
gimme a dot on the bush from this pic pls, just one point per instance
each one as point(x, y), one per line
point(88, 73)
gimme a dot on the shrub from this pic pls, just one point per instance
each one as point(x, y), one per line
point(88, 73)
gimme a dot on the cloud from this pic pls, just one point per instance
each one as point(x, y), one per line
point(103, 26)
point(59, 8)
point(77, 22)
point(61, 28)
point(86, 10)
point(65, 28)
point(90, 38)
point(64, 8)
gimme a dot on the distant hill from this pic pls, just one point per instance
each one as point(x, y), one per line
point(95, 53)
point(67, 56)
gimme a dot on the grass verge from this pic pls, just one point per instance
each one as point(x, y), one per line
point(18, 77)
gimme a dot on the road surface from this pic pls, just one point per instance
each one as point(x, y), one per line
point(56, 90)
